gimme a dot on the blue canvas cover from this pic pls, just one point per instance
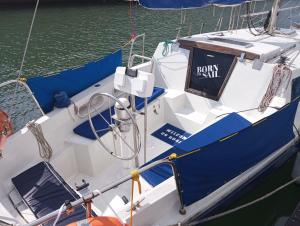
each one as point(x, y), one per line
point(72, 81)
point(228, 125)
point(185, 4)
point(44, 191)
point(204, 170)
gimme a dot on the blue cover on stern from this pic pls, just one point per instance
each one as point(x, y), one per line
point(44, 191)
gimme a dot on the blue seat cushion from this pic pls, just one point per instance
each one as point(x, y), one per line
point(139, 102)
point(222, 128)
point(99, 123)
point(44, 191)
point(85, 130)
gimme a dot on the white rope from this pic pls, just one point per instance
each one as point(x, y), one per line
point(45, 149)
point(281, 74)
point(59, 214)
point(244, 205)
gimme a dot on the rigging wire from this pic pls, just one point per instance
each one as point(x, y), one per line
point(230, 211)
point(132, 19)
point(19, 72)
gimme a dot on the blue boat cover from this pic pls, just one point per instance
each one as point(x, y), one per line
point(85, 130)
point(72, 81)
point(185, 4)
point(204, 170)
point(44, 191)
point(222, 128)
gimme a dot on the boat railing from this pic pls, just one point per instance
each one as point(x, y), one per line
point(87, 199)
point(134, 56)
point(23, 84)
point(133, 41)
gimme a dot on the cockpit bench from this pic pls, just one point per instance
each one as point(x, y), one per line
point(85, 130)
point(43, 190)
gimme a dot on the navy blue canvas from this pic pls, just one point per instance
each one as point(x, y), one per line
point(222, 128)
point(185, 4)
point(44, 191)
point(203, 172)
point(99, 123)
point(72, 81)
point(171, 134)
point(220, 160)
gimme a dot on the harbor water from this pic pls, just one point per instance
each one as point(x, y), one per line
point(68, 35)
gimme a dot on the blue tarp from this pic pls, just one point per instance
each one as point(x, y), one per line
point(72, 81)
point(228, 125)
point(203, 171)
point(44, 191)
point(185, 4)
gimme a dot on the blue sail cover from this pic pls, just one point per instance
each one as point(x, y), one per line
point(203, 171)
point(185, 4)
point(72, 81)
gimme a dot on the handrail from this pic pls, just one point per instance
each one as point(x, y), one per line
point(132, 45)
point(131, 60)
point(96, 193)
point(27, 88)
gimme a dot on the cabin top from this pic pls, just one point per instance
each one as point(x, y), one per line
point(263, 47)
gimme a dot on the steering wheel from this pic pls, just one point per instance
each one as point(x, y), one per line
point(113, 127)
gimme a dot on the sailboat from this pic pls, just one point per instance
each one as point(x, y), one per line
point(164, 142)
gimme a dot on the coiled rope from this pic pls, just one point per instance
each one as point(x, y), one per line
point(167, 45)
point(244, 205)
point(281, 74)
point(45, 149)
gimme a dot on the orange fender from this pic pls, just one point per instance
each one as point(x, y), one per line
point(6, 128)
point(98, 221)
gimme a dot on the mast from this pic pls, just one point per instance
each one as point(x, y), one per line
point(274, 16)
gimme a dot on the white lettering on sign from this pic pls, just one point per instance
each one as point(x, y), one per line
point(173, 136)
point(208, 71)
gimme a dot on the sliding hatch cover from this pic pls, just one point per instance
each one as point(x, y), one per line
point(208, 72)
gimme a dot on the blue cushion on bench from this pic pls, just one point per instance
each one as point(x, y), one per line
point(139, 102)
point(99, 123)
point(85, 130)
point(44, 191)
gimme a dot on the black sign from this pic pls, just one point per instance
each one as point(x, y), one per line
point(208, 72)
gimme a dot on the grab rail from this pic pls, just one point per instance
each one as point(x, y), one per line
point(27, 88)
point(96, 193)
point(131, 60)
point(132, 45)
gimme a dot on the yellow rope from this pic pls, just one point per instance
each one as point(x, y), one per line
point(135, 178)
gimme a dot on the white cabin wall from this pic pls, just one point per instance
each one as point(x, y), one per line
point(246, 86)
point(170, 71)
